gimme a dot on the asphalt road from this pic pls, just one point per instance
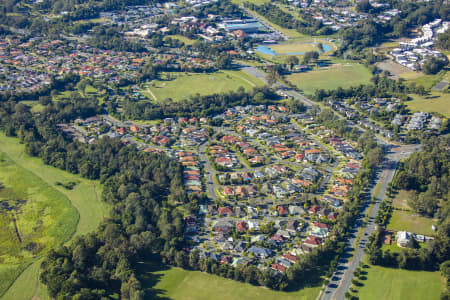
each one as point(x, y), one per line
point(209, 171)
point(341, 280)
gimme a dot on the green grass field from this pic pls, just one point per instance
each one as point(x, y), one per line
point(410, 75)
point(408, 221)
point(401, 199)
point(337, 75)
point(177, 284)
point(436, 102)
point(27, 285)
point(181, 86)
point(39, 181)
point(44, 216)
point(397, 284)
point(185, 40)
point(293, 48)
point(35, 106)
point(427, 81)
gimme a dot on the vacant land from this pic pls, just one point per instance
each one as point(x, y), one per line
point(33, 215)
point(395, 69)
point(435, 102)
point(27, 285)
point(396, 284)
point(428, 81)
point(185, 40)
point(337, 75)
point(7, 275)
point(176, 283)
point(401, 199)
point(179, 86)
point(37, 181)
point(408, 221)
point(35, 106)
point(89, 91)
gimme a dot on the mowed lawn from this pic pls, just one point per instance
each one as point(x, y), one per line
point(83, 201)
point(293, 48)
point(398, 284)
point(338, 75)
point(409, 221)
point(182, 85)
point(179, 284)
point(435, 102)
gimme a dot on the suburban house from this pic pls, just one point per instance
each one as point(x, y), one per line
point(403, 238)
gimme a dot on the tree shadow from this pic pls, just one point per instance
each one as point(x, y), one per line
point(314, 279)
point(147, 272)
point(324, 63)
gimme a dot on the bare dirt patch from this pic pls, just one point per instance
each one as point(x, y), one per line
point(393, 68)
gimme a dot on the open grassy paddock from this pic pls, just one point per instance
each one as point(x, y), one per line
point(401, 199)
point(33, 214)
point(87, 92)
point(177, 284)
point(180, 86)
point(35, 105)
point(428, 81)
point(51, 214)
point(396, 284)
point(435, 102)
point(408, 221)
point(331, 77)
point(185, 40)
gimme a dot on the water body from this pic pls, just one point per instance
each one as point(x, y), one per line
point(269, 51)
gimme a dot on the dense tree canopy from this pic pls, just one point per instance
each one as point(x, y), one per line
point(426, 173)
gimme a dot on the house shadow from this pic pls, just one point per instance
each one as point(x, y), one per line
point(149, 274)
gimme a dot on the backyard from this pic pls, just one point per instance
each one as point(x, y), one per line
point(408, 221)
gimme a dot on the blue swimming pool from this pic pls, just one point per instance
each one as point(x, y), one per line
point(269, 51)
